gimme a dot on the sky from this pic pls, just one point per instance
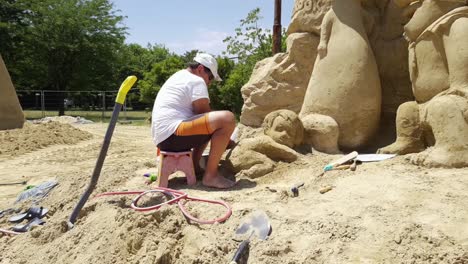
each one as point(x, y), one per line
point(184, 25)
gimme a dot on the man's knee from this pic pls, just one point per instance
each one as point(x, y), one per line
point(229, 118)
point(222, 119)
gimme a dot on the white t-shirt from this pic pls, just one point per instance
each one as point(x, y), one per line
point(173, 103)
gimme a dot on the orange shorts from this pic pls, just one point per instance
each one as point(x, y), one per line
point(198, 126)
point(190, 134)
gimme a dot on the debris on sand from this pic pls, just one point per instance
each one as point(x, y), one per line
point(63, 120)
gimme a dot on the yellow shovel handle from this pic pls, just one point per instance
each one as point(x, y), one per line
point(124, 88)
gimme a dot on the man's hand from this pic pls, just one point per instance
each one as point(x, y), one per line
point(201, 106)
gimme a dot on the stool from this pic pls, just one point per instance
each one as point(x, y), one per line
point(170, 162)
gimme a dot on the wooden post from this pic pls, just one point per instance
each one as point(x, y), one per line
point(277, 28)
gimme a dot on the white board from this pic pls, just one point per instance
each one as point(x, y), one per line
point(374, 157)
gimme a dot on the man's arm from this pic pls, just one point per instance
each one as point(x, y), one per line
point(201, 106)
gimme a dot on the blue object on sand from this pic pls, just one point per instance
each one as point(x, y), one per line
point(37, 193)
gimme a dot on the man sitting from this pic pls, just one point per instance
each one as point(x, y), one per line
point(182, 118)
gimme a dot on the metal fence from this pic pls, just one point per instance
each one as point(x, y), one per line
point(41, 103)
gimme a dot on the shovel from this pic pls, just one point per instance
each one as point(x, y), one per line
point(119, 101)
point(255, 223)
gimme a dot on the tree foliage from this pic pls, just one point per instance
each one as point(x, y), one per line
point(66, 44)
point(250, 42)
point(159, 73)
point(249, 45)
point(72, 45)
point(225, 67)
point(13, 30)
point(77, 41)
point(137, 60)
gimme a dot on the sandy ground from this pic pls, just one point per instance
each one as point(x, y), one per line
point(386, 212)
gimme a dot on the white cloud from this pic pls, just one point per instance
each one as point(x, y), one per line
point(205, 40)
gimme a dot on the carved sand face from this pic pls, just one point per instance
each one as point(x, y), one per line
point(281, 132)
point(284, 127)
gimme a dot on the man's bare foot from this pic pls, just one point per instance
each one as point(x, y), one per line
point(217, 182)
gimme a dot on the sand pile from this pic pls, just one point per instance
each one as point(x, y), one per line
point(35, 136)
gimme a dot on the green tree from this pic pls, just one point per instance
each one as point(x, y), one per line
point(12, 31)
point(155, 78)
point(70, 45)
point(189, 55)
point(217, 102)
point(250, 42)
point(249, 45)
point(137, 60)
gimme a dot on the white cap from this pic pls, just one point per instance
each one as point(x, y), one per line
point(210, 62)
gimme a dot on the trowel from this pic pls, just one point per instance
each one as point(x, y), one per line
point(256, 223)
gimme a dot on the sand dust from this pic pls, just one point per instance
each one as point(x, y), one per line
point(386, 212)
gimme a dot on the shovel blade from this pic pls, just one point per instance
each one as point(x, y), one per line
point(256, 223)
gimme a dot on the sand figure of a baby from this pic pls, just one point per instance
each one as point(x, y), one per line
point(255, 157)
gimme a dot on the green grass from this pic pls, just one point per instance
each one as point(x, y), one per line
point(136, 117)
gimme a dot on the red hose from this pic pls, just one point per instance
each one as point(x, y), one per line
point(178, 196)
point(192, 218)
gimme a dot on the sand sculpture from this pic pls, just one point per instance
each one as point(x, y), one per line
point(391, 53)
point(435, 97)
point(307, 16)
point(284, 127)
point(255, 157)
point(343, 99)
point(438, 61)
point(280, 82)
point(11, 114)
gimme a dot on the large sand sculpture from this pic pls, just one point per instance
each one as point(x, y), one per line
point(361, 76)
point(11, 114)
point(438, 61)
point(282, 76)
point(344, 93)
point(280, 82)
